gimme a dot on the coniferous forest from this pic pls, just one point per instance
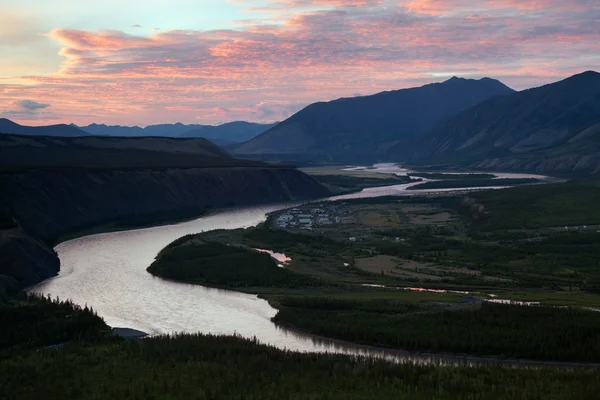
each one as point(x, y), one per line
point(209, 367)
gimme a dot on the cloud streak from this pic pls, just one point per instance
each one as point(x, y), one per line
point(309, 50)
point(30, 105)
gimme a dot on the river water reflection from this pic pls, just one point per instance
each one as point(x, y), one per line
point(108, 272)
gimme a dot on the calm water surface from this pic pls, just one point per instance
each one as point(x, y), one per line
point(108, 272)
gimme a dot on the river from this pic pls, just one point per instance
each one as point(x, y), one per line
point(108, 272)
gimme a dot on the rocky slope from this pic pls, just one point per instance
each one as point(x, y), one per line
point(363, 128)
point(551, 129)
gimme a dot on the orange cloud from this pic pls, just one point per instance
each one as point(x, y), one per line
point(322, 50)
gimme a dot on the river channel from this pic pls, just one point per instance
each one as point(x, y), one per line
point(108, 272)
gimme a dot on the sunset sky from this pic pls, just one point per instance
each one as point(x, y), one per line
point(212, 61)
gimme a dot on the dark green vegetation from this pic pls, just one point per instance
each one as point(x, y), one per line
point(570, 204)
point(444, 176)
point(541, 333)
point(219, 265)
point(357, 183)
point(511, 243)
point(359, 129)
point(205, 367)
point(31, 321)
point(471, 182)
point(551, 129)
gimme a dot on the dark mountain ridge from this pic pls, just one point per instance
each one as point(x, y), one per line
point(348, 128)
point(552, 128)
point(8, 126)
point(224, 134)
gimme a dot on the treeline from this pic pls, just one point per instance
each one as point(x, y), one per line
point(281, 240)
point(541, 206)
point(357, 182)
point(209, 367)
point(32, 321)
point(441, 175)
point(471, 182)
point(502, 330)
point(217, 264)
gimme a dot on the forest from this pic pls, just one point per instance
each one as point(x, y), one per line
point(359, 182)
point(321, 290)
point(30, 321)
point(450, 176)
point(54, 349)
point(219, 265)
point(472, 182)
point(226, 367)
point(487, 329)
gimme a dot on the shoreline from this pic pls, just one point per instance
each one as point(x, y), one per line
point(464, 358)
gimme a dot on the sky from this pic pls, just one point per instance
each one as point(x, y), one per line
point(133, 62)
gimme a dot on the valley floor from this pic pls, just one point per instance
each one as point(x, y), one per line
point(428, 274)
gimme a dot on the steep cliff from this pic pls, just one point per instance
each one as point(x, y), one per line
point(24, 260)
point(51, 203)
point(51, 187)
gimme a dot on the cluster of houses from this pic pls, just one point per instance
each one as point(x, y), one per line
point(308, 219)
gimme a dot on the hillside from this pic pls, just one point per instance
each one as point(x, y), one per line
point(53, 187)
point(8, 126)
point(554, 129)
point(92, 152)
point(362, 128)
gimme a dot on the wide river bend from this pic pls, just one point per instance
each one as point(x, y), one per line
point(108, 272)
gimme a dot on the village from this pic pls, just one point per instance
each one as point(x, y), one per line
point(308, 218)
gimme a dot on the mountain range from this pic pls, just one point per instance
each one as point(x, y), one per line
point(555, 127)
point(225, 134)
point(8, 126)
point(363, 128)
point(459, 123)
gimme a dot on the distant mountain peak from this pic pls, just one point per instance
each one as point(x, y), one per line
point(553, 127)
point(10, 127)
point(356, 129)
point(585, 75)
point(7, 121)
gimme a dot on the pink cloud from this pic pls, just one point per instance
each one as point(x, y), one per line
point(321, 50)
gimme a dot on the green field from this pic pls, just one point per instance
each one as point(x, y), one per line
point(474, 242)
